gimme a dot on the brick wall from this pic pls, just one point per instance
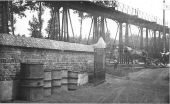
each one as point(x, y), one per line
point(15, 50)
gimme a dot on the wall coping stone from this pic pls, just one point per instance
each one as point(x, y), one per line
point(29, 42)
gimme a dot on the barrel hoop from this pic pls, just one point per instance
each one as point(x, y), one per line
point(72, 83)
point(47, 80)
point(72, 78)
point(56, 86)
point(64, 69)
point(46, 87)
point(47, 70)
point(32, 63)
point(31, 86)
point(64, 83)
point(56, 79)
point(56, 70)
point(64, 77)
point(31, 78)
point(74, 71)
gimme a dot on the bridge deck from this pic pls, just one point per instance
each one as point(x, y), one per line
point(111, 13)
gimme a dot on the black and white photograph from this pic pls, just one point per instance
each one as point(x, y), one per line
point(84, 51)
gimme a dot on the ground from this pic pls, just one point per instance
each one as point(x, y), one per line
point(143, 86)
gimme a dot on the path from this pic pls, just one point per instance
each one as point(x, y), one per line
point(145, 86)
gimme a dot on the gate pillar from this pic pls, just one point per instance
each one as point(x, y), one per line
point(99, 61)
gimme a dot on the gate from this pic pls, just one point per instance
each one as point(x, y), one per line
point(99, 65)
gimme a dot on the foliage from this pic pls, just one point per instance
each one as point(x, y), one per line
point(34, 28)
point(49, 24)
point(19, 7)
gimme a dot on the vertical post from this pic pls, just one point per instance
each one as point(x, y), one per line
point(120, 41)
point(155, 49)
point(57, 24)
point(127, 35)
point(168, 39)
point(102, 30)
point(40, 18)
point(141, 38)
point(164, 34)
point(159, 41)
point(64, 29)
point(98, 28)
point(146, 39)
point(1, 17)
point(67, 33)
point(95, 29)
point(81, 22)
point(53, 25)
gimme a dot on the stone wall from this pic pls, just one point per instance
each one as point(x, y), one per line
point(15, 50)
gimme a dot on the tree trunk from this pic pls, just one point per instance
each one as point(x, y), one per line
point(12, 19)
point(40, 20)
point(4, 17)
point(81, 21)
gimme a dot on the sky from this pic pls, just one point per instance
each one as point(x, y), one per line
point(151, 7)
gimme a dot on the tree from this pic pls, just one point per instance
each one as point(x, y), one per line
point(18, 8)
point(48, 27)
point(34, 28)
point(40, 13)
point(49, 23)
point(36, 24)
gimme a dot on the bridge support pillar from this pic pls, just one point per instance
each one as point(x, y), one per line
point(120, 42)
point(95, 29)
point(159, 39)
point(102, 29)
point(64, 33)
point(127, 35)
point(146, 40)
point(54, 32)
point(141, 38)
point(159, 42)
point(154, 42)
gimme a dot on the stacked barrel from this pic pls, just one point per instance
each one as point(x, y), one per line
point(64, 80)
point(47, 82)
point(56, 80)
point(31, 82)
point(72, 80)
point(36, 82)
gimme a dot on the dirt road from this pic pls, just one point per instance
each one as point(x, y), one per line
point(144, 86)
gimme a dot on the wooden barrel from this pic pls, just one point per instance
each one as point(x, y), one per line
point(56, 80)
point(31, 81)
point(47, 82)
point(64, 80)
point(91, 77)
point(72, 80)
point(6, 90)
point(64, 83)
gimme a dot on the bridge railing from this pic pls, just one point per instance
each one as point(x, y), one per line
point(134, 11)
